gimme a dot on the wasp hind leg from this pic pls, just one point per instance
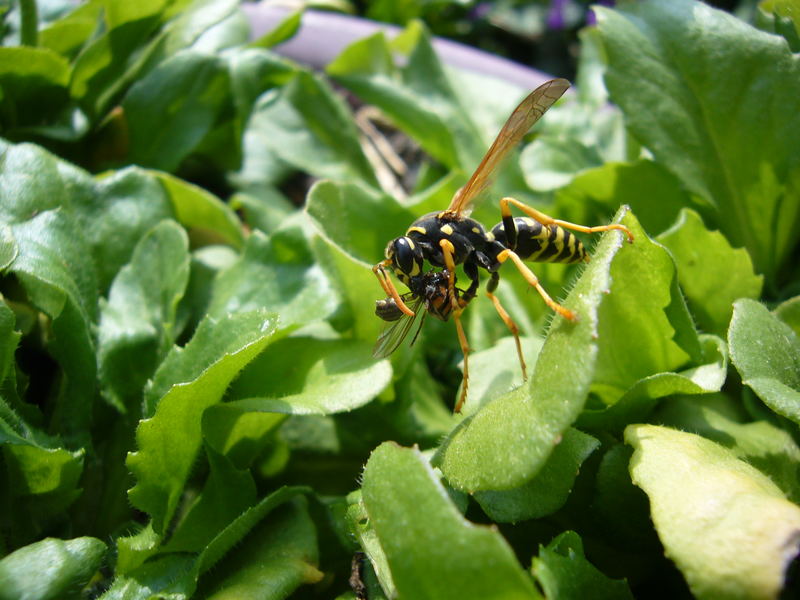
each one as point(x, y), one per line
point(533, 281)
point(512, 326)
point(544, 219)
point(462, 340)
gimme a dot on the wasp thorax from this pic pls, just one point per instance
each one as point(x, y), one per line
point(405, 255)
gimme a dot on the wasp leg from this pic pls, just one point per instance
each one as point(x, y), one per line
point(447, 252)
point(490, 288)
point(462, 340)
point(534, 281)
point(388, 286)
point(546, 220)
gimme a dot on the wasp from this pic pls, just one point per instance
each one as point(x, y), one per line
point(450, 238)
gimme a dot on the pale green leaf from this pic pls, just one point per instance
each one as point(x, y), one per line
point(726, 525)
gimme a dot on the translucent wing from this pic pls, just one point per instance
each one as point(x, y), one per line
point(521, 120)
point(395, 332)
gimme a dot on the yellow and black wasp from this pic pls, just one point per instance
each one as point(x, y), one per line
point(450, 238)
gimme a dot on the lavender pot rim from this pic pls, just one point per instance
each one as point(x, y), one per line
point(323, 35)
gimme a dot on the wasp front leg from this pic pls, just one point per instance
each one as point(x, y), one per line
point(388, 286)
point(508, 222)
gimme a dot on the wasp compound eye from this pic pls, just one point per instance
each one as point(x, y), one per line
point(406, 256)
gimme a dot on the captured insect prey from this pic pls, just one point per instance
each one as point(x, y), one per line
point(450, 238)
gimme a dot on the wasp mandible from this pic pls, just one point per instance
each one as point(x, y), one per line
point(450, 238)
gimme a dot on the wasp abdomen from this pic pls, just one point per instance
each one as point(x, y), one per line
point(542, 243)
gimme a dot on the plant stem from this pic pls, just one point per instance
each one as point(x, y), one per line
point(29, 19)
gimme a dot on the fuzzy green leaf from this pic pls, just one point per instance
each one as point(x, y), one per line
point(431, 550)
point(564, 572)
point(548, 490)
point(277, 556)
point(188, 381)
point(707, 505)
point(766, 352)
point(308, 376)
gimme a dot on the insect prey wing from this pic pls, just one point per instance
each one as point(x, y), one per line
point(395, 332)
point(521, 120)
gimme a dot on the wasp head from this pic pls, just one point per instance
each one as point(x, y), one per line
point(406, 258)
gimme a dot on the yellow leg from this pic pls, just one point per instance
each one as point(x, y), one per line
point(388, 286)
point(462, 340)
point(534, 281)
point(448, 251)
point(546, 220)
point(513, 328)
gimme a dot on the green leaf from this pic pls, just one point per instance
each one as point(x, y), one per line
point(188, 381)
point(178, 574)
point(282, 31)
point(692, 83)
point(495, 371)
point(723, 506)
point(309, 376)
point(55, 268)
point(8, 246)
point(366, 67)
point(653, 193)
point(227, 493)
point(564, 572)
point(9, 339)
point(241, 436)
point(50, 568)
point(33, 86)
point(173, 108)
point(276, 558)
point(637, 402)
point(43, 483)
point(548, 490)
point(431, 550)
point(789, 312)
point(766, 352)
point(356, 219)
point(111, 60)
point(711, 273)
point(761, 444)
point(552, 163)
point(68, 34)
point(205, 215)
point(308, 126)
point(486, 451)
point(137, 324)
point(278, 273)
point(114, 213)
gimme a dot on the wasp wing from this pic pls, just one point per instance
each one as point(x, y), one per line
point(395, 332)
point(521, 120)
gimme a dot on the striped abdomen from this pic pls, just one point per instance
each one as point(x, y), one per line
point(543, 243)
